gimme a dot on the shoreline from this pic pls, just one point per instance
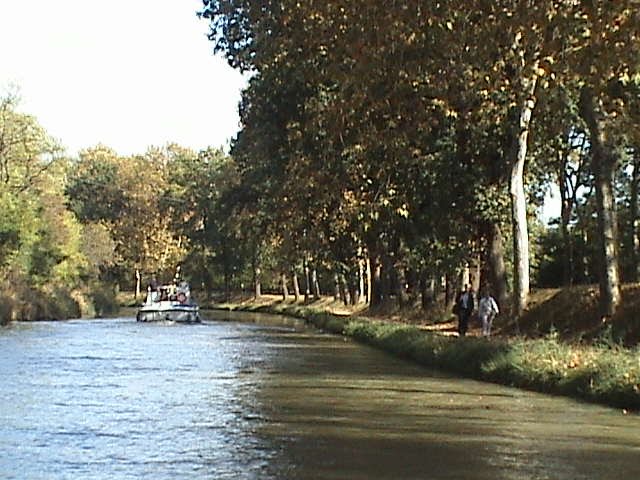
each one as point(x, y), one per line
point(603, 374)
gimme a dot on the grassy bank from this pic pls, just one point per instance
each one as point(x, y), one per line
point(599, 372)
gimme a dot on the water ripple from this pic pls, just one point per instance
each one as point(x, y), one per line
point(114, 399)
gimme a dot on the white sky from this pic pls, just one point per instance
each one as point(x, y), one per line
point(125, 73)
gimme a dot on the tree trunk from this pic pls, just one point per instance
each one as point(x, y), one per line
point(256, 282)
point(315, 283)
point(296, 286)
point(495, 263)
point(567, 253)
point(138, 284)
point(376, 283)
point(427, 289)
point(519, 201)
point(361, 281)
point(401, 286)
point(344, 290)
point(586, 270)
point(465, 277)
point(451, 284)
point(566, 207)
point(386, 281)
point(227, 284)
point(369, 280)
point(336, 287)
point(607, 226)
point(582, 273)
point(307, 284)
point(634, 238)
point(475, 277)
point(285, 289)
point(604, 165)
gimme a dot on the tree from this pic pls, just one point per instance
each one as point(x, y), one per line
point(603, 61)
point(126, 195)
point(26, 150)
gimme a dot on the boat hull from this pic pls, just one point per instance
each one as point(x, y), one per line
point(175, 314)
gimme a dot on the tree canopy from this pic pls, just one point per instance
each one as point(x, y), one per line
point(387, 150)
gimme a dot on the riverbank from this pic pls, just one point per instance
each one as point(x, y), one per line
point(50, 302)
point(600, 371)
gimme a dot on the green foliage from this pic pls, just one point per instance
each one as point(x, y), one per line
point(93, 190)
point(44, 260)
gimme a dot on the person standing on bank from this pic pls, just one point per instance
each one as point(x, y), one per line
point(487, 311)
point(464, 308)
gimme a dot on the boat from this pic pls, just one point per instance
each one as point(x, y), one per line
point(169, 303)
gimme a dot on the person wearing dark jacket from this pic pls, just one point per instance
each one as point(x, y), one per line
point(464, 307)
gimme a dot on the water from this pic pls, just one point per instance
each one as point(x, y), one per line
point(265, 398)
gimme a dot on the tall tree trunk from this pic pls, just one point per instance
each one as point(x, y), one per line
point(581, 267)
point(634, 233)
point(401, 285)
point(296, 286)
point(519, 201)
point(336, 287)
point(315, 283)
point(475, 273)
point(567, 239)
point(257, 286)
point(285, 289)
point(227, 284)
point(369, 280)
point(386, 273)
point(257, 283)
point(138, 284)
point(568, 270)
point(376, 283)
point(495, 263)
point(586, 270)
point(427, 289)
point(465, 275)
point(307, 280)
point(361, 281)
point(451, 285)
point(604, 166)
point(345, 295)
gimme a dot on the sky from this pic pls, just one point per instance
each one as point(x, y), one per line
point(125, 73)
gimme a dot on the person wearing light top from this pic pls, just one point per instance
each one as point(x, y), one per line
point(487, 311)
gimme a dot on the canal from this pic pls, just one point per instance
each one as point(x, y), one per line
point(245, 396)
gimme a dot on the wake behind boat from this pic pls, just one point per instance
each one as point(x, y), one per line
point(169, 303)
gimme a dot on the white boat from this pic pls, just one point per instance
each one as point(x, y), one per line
point(169, 303)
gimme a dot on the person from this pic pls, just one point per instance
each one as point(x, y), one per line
point(464, 307)
point(152, 294)
point(487, 311)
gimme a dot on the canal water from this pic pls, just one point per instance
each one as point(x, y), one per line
point(261, 397)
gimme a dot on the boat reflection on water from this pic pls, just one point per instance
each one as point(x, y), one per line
point(169, 303)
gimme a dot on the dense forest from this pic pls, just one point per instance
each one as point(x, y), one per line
point(415, 140)
point(388, 151)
